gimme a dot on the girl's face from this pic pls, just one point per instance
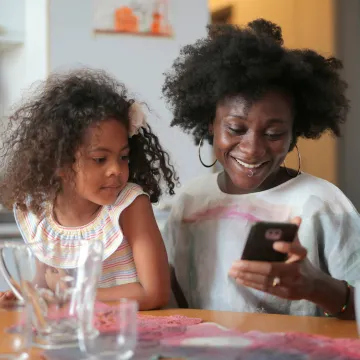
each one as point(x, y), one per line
point(251, 140)
point(55, 278)
point(102, 167)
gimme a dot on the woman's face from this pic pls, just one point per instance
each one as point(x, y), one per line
point(251, 140)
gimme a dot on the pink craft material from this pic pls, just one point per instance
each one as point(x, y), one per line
point(149, 327)
point(319, 347)
point(174, 330)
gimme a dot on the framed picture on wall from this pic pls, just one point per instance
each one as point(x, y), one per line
point(135, 17)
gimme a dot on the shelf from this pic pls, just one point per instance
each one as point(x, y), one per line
point(138, 33)
point(8, 41)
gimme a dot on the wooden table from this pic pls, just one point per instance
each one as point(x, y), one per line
point(240, 321)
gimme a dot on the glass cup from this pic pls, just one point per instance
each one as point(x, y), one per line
point(117, 336)
point(59, 281)
point(15, 330)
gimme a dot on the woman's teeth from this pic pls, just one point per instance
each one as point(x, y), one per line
point(248, 166)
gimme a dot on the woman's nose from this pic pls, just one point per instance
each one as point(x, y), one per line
point(252, 146)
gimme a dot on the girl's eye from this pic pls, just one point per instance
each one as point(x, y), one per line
point(124, 158)
point(99, 160)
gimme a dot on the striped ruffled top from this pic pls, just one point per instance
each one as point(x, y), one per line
point(118, 264)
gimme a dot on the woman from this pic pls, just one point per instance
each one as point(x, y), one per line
point(251, 98)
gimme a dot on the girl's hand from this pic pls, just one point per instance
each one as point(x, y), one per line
point(7, 298)
point(293, 279)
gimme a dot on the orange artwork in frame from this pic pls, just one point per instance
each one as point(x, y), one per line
point(135, 17)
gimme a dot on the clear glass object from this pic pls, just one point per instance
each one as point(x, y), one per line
point(58, 280)
point(117, 338)
point(15, 330)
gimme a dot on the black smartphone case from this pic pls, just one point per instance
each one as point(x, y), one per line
point(259, 245)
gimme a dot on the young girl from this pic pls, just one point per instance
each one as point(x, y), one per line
point(81, 156)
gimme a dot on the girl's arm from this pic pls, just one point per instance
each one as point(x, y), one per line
point(141, 231)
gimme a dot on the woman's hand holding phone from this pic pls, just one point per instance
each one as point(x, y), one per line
point(290, 279)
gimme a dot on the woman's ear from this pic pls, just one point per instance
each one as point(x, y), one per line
point(292, 143)
point(211, 129)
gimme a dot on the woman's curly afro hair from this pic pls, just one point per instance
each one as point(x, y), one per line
point(249, 61)
point(45, 132)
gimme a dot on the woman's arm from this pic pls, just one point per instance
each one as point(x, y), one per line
point(331, 294)
point(327, 293)
point(141, 231)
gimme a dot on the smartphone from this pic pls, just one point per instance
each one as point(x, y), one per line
point(259, 244)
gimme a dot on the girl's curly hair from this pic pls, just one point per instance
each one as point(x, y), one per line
point(249, 61)
point(45, 132)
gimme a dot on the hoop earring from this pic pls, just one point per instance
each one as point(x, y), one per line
point(202, 163)
point(299, 161)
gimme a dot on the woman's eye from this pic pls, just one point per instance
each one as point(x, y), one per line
point(99, 160)
point(236, 130)
point(274, 136)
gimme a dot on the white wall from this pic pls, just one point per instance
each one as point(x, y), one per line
point(12, 14)
point(12, 74)
point(137, 61)
point(25, 64)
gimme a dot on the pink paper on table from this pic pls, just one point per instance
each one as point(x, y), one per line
point(149, 327)
point(281, 343)
point(310, 344)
